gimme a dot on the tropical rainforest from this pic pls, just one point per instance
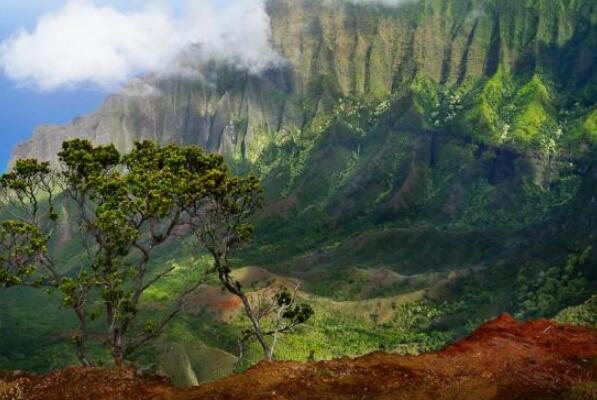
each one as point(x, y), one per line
point(423, 168)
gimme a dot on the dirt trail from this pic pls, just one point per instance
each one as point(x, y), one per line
point(503, 359)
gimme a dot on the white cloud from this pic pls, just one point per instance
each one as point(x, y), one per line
point(84, 43)
point(382, 2)
point(139, 88)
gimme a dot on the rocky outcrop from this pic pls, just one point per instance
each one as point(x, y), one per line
point(503, 359)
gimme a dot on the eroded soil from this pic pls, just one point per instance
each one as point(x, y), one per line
point(503, 359)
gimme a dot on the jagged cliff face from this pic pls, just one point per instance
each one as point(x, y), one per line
point(443, 119)
point(336, 49)
point(374, 50)
point(221, 117)
point(448, 116)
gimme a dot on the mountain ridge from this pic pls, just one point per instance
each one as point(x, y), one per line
point(335, 50)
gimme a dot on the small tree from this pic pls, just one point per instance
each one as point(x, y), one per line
point(25, 259)
point(221, 222)
point(278, 314)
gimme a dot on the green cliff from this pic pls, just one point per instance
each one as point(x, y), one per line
point(339, 50)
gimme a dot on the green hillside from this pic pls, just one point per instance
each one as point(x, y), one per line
point(426, 167)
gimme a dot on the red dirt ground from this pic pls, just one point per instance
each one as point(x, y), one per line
point(503, 359)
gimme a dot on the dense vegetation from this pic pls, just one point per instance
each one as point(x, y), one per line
point(410, 200)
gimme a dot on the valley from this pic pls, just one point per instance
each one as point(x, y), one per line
point(425, 167)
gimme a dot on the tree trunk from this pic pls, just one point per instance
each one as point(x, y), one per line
point(241, 354)
point(79, 338)
point(118, 348)
point(256, 327)
point(223, 267)
point(273, 346)
point(235, 289)
point(80, 350)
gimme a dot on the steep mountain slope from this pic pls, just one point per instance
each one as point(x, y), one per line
point(425, 166)
point(462, 113)
point(336, 49)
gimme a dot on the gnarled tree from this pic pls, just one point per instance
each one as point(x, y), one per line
point(278, 314)
point(25, 256)
point(126, 208)
point(221, 222)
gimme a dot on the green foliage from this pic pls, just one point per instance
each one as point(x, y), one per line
point(546, 291)
point(589, 127)
point(525, 114)
point(533, 122)
point(86, 161)
point(27, 181)
point(583, 314)
point(494, 109)
point(126, 208)
point(21, 246)
point(440, 105)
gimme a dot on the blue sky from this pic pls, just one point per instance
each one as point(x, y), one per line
point(23, 107)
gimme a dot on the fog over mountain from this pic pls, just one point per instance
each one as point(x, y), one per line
point(85, 43)
point(384, 2)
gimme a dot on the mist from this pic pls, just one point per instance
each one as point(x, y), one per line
point(87, 44)
point(382, 2)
